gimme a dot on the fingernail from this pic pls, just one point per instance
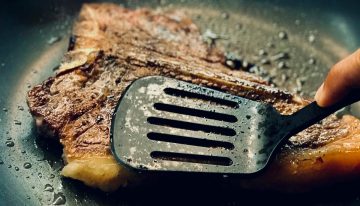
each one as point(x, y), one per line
point(319, 93)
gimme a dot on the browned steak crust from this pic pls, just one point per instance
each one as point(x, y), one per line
point(115, 46)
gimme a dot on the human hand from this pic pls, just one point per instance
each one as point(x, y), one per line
point(343, 76)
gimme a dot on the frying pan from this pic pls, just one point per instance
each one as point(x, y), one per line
point(34, 36)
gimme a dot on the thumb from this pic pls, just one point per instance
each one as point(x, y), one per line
point(343, 76)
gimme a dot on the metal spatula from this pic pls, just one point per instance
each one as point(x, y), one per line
point(164, 124)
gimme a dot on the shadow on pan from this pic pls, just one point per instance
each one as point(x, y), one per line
point(35, 35)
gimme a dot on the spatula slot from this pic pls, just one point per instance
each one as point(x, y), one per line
point(187, 94)
point(191, 126)
point(189, 140)
point(202, 159)
point(195, 112)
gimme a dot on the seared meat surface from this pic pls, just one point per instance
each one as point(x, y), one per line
point(113, 46)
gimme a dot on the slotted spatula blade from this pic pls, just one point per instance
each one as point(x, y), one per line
point(166, 124)
point(163, 124)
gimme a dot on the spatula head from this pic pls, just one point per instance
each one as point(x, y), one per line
point(169, 125)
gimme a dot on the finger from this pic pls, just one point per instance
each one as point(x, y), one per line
point(343, 76)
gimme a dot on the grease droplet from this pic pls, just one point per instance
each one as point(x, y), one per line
point(59, 199)
point(27, 165)
point(9, 143)
point(283, 35)
point(53, 40)
point(49, 188)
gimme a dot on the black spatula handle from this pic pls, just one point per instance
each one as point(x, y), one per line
point(313, 113)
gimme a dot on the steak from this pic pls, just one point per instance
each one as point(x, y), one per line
point(112, 46)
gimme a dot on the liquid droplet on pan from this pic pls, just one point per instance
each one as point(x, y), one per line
point(49, 188)
point(59, 199)
point(53, 40)
point(17, 122)
point(9, 143)
point(27, 165)
point(283, 35)
point(311, 38)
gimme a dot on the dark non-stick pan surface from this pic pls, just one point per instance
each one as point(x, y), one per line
point(34, 36)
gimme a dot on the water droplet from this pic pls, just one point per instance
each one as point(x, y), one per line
point(23, 151)
point(53, 40)
point(16, 168)
point(262, 52)
point(1, 162)
point(27, 165)
point(311, 38)
point(17, 122)
point(21, 108)
point(265, 61)
point(59, 199)
point(312, 61)
point(248, 116)
point(4, 109)
point(238, 26)
point(225, 15)
point(245, 150)
point(39, 175)
point(33, 187)
point(9, 143)
point(282, 65)
point(283, 35)
point(9, 166)
point(281, 56)
point(52, 176)
point(49, 188)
